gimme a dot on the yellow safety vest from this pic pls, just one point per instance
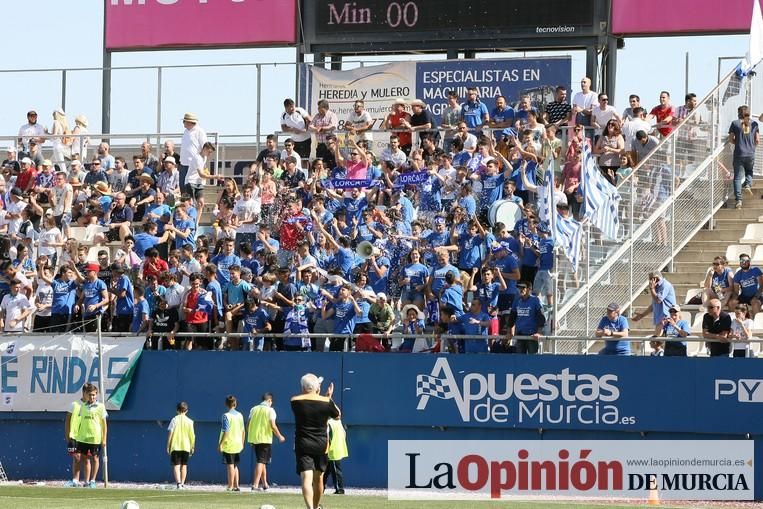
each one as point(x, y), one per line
point(183, 436)
point(259, 430)
point(74, 419)
point(235, 442)
point(337, 441)
point(89, 430)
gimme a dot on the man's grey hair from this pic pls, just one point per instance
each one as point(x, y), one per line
point(310, 383)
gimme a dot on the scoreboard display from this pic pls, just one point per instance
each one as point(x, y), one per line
point(393, 25)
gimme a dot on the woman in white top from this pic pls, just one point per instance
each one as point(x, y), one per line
point(61, 143)
point(741, 327)
point(81, 142)
point(43, 299)
point(50, 240)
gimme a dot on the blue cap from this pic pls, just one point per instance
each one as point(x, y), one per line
point(510, 131)
point(544, 227)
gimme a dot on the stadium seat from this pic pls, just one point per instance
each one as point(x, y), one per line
point(755, 347)
point(696, 325)
point(696, 348)
point(691, 293)
point(753, 234)
point(734, 250)
point(757, 258)
point(757, 324)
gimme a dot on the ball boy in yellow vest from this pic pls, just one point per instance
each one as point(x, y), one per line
point(71, 426)
point(337, 452)
point(181, 443)
point(231, 442)
point(91, 434)
point(262, 427)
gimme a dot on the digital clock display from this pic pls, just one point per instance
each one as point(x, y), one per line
point(385, 21)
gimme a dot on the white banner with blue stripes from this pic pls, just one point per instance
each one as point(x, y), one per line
point(601, 198)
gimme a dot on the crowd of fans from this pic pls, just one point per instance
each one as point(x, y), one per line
point(340, 238)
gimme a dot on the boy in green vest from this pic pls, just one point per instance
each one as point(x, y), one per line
point(337, 452)
point(231, 442)
point(181, 443)
point(71, 425)
point(262, 427)
point(91, 434)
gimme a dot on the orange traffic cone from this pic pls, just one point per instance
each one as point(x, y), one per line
point(654, 494)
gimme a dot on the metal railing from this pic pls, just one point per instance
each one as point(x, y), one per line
point(671, 194)
point(546, 342)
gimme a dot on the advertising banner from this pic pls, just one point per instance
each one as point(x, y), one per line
point(134, 24)
point(553, 392)
point(47, 374)
point(378, 86)
point(679, 16)
point(503, 469)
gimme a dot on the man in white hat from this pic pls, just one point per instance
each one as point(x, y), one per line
point(194, 138)
point(311, 414)
point(168, 181)
point(422, 121)
point(397, 120)
point(11, 163)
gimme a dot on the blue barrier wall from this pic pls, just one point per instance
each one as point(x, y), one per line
point(390, 396)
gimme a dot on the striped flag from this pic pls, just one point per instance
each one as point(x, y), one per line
point(601, 198)
point(568, 233)
point(546, 205)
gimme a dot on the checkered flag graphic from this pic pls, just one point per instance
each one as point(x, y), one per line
point(427, 385)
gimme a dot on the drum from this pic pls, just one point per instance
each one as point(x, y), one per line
point(504, 211)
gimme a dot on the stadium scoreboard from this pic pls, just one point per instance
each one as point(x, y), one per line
point(400, 25)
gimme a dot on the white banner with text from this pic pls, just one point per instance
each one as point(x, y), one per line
point(47, 373)
point(629, 469)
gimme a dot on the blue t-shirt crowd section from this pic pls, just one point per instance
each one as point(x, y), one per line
point(335, 231)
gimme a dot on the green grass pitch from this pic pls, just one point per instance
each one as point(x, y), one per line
point(36, 497)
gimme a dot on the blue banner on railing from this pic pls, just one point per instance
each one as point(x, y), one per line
point(412, 178)
point(596, 393)
point(349, 183)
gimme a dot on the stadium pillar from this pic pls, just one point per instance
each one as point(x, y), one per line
point(106, 93)
point(610, 66)
point(63, 90)
point(591, 64)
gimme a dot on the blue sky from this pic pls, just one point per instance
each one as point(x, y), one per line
point(56, 34)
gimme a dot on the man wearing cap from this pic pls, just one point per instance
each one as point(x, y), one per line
point(311, 414)
point(613, 325)
point(526, 319)
point(13, 209)
point(295, 121)
point(27, 176)
point(168, 181)
point(44, 181)
point(93, 297)
point(34, 153)
point(422, 121)
point(194, 138)
point(11, 163)
point(395, 121)
point(663, 297)
point(30, 130)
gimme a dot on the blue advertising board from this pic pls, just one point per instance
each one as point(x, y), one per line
point(561, 392)
point(510, 78)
